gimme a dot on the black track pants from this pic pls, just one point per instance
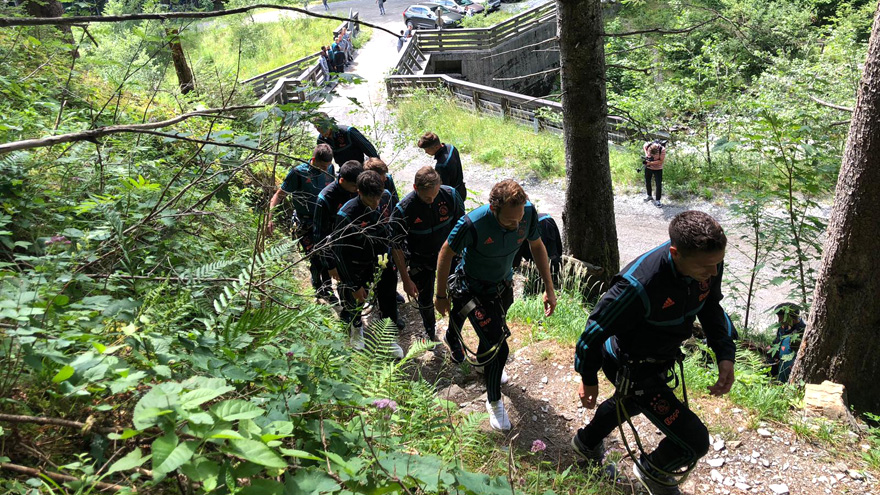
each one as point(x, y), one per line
point(686, 437)
point(488, 321)
point(658, 177)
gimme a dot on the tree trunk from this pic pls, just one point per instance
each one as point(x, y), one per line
point(184, 74)
point(841, 341)
point(588, 216)
point(51, 8)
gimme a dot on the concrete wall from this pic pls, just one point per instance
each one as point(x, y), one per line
point(478, 67)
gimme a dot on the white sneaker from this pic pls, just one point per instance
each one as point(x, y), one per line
point(356, 337)
point(504, 377)
point(498, 419)
point(396, 350)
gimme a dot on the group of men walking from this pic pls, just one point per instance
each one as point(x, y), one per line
point(450, 261)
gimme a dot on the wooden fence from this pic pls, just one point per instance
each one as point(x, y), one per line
point(408, 76)
point(297, 80)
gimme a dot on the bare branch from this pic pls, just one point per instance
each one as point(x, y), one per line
point(57, 476)
point(164, 16)
point(533, 74)
point(645, 31)
point(17, 418)
point(830, 105)
point(94, 134)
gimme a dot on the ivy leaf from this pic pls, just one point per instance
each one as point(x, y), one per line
point(172, 459)
point(231, 410)
point(134, 459)
point(65, 373)
point(257, 452)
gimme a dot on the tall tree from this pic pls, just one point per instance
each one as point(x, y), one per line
point(841, 342)
point(588, 217)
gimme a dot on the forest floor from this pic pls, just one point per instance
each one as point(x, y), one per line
point(746, 457)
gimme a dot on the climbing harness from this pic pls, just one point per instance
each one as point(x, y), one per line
point(457, 289)
point(624, 389)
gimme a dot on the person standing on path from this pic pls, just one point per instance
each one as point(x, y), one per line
point(346, 142)
point(381, 6)
point(326, 7)
point(401, 40)
point(635, 334)
point(330, 200)
point(448, 162)
point(324, 62)
point(487, 239)
point(423, 221)
point(303, 183)
point(655, 155)
point(552, 243)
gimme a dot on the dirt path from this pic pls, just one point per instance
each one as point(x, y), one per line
point(541, 394)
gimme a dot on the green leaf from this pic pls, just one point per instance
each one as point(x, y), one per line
point(134, 459)
point(309, 482)
point(231, 410)
point(163, 447)
point(65, 373)
point(227, 434)
point(300, 454)
point(181, 454)
point(257, 452)
point(126, 434)
point(198, 397)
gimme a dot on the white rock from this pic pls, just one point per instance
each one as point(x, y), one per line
point(719, 445)
point(716, 476)
point(765, 462)
point(736, 410)
point(756, 454)
point(764, 432)
point(715, 463)
point(855, 474)
point(743, 486)
point(728, 481)
point(823, 479)
point(544, 380)
point(780, 489)
point(534, 418)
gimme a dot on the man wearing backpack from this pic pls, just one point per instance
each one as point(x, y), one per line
point(346, 142)
point(655, 155)
point(448, 162)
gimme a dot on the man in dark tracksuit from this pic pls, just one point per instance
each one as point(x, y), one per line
point(378, 166)
point(448, 162)
point(362, 235)
point(552, 242)
point(330, 200)
point(304, 182)
point(785, 346)
point(487, 239)
point(423, 220)
point(346, 142)
point(639, 326)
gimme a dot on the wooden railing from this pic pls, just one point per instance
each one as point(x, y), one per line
point(538, 113)
point(484, 38)
point(408, 76)
point(297, 80)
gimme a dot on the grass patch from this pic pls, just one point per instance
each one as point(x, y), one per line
point(264, 46)
point(488, 20)
point(565, 325)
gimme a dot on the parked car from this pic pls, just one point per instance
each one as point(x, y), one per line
point(463, 7)
point(421, 16)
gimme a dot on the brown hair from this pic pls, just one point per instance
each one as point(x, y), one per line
point(376, 164)
point(426, 178)
point(428, 140)
point(323, 153)
point(370, 184)
point(694, 231)
point(507, 192)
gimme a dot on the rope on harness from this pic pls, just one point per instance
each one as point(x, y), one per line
point(622, 392)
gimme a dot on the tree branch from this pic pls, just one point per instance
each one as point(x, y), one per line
point(830, 105)
point(94, 134)
point(57, 476)
point(645, 31)
point(15, 418)
point(533, 74)
point(164, 16)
